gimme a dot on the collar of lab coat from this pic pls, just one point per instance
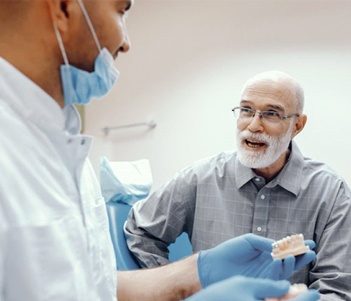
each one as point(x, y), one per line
point(32, 102)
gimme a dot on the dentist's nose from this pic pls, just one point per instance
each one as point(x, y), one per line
point(126, 44)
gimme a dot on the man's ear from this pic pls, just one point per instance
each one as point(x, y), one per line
point(300, 123)
point(60, 11)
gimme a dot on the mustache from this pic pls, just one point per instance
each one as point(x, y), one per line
point(247, 135)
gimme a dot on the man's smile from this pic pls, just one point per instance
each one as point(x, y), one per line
point(254, 144)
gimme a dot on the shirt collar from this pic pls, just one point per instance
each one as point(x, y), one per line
point(289, 178)
point(243, 174)
point(33, 103)
point(72, 120)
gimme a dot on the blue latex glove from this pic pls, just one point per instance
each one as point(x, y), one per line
point(248, 255)
point(310, 295)
point(249, 289)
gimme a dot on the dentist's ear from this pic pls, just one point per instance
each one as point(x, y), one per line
point(300, 123)
point(61, 11)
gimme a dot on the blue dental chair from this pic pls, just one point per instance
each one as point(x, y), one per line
point(117, 214)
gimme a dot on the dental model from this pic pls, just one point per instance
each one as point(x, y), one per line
point(295, 290)
point(290, 245)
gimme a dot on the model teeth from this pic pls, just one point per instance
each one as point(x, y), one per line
point(295, 290)
point(290, 245)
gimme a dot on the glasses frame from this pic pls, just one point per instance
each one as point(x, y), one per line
point(261, 114)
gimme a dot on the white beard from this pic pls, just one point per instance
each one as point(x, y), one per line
point(276, 146)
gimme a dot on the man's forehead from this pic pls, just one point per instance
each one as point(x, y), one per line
point(269, 93)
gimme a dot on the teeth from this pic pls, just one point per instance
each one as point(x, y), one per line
point(254, 144)
point(295, 290)
point(290, 245)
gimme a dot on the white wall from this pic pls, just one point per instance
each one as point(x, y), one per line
point(189, 60)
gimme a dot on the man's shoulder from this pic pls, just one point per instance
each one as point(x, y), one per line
point(221, 158)
point(311, 167)
point(212, 164)
point(320, 170)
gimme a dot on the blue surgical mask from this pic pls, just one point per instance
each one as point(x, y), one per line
point(80, 86)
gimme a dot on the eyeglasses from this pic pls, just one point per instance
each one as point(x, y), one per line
point(269, 116)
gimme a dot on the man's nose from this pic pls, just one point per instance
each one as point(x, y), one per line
point(255, 124)
point(126, 44)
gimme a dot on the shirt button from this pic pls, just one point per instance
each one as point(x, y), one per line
point(259, 229)
point(82, 142)
point(69, 141)
point(257, 179)
point(263, 196)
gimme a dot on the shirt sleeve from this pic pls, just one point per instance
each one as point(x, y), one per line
point(155, 223)
point(331, 272)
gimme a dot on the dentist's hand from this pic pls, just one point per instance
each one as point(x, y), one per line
point(249, 289)
point(248, 255)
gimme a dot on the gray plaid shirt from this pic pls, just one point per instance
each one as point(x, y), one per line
point(218, 198)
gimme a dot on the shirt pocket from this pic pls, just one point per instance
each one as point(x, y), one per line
point(47, 262)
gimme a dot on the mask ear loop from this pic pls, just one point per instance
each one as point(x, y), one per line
point(59, 39)
point(91, 27)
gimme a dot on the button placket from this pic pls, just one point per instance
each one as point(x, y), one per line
point(260, 218)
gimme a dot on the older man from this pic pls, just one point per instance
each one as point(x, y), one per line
point(266, 187)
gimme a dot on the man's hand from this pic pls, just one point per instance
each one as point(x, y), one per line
point(248, 255)
point(249, 289)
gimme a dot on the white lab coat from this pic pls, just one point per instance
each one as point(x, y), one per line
point(54, 239)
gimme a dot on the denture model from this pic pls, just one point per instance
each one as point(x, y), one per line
point(295, 290)
point(290, 245)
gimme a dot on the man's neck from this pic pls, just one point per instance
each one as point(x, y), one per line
point(270, 172)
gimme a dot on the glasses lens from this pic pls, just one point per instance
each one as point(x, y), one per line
point(236, 112)
point(239, 112)
point(246, 113)
point(242, 113)
point(271, 116)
